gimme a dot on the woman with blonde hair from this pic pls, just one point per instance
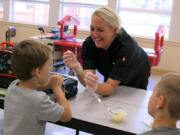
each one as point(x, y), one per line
point(113, 52)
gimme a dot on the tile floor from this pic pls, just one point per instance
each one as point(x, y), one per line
point(155, 76)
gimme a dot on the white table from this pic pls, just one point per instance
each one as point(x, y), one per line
point(86, 109)
point(92, 117)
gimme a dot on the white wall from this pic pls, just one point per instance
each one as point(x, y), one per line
point(174, 34)
point(169, 60)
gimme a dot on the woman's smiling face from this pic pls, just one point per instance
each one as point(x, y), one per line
point(101, 33)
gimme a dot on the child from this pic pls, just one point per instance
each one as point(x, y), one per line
point(164, 106)
point(26, 108)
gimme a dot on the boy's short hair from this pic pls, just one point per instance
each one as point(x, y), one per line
point(27, 56)
point(169, 86)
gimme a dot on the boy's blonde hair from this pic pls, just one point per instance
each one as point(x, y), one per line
point(109, 16)
point(169, 86)
point(27, 56)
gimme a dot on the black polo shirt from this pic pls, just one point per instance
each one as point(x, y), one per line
point(124, 60)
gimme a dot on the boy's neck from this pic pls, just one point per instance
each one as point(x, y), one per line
point(28, 84)
point(164, 122)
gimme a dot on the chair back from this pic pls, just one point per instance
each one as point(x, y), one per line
point(159, 39)
point(154, 54)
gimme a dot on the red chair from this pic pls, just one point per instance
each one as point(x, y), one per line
point(6, 73)
point(73, 46)
point(68, 42)
point(11, 32)
point(66, 21)
point(154, 54)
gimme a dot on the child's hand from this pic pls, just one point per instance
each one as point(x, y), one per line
point(56, 81)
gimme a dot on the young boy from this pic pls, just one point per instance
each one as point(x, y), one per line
point(26, 108)
point(164, 106)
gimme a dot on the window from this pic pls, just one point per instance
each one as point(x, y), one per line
point(1, 10)
point(31, 11)
point(139, 17)
point(142, 17)
point(81, 9)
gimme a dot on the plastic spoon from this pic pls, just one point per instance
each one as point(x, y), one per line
point(101, 102)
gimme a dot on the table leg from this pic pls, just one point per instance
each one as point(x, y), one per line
point(77, 132)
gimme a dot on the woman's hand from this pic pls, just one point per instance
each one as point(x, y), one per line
point(91, 81)
point(71, 61)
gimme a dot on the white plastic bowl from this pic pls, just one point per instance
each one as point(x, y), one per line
point(118, 114)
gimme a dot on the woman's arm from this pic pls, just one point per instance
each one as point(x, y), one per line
point(108, 87)
point(81, 74)
point(70, 61)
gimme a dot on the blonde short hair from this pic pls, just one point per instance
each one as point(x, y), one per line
point(108, 15)
point(169, 86)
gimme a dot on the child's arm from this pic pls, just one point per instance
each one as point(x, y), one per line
point(56, 84)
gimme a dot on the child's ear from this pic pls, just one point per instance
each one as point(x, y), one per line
point(161, 102)
point(36, 72)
